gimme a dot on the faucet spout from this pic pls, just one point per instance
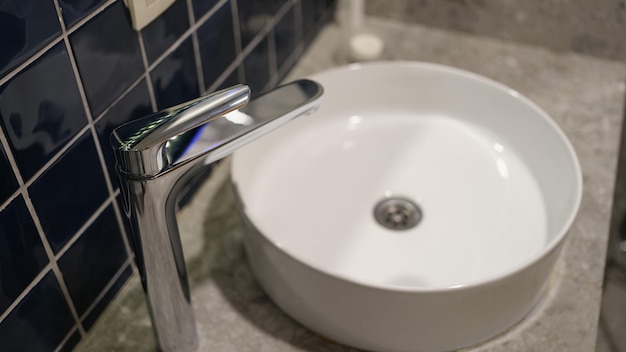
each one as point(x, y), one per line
point(158, 154)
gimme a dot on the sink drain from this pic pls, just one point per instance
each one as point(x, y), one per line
point(397, 213)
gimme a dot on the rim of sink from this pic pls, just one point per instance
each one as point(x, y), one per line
point(546, 248)
point(501, 252)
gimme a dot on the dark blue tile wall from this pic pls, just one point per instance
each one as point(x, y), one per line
point(62, 206)
point(74, 10)
point(22, 255)
point(39, 117)
point(8, 183)
point(285, 37)
point(257, 67)
point(201, 7)
point(71, 71)
point(108, 56)
point(175, 79)
point(216, 40)
point(40, 321)
point(26, 26)
point(253, 16)
point(165, 30)
point(99, 250)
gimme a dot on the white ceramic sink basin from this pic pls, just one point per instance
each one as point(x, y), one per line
point(495, 180)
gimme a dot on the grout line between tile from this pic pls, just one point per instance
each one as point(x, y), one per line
point(11, 74)
point(192, 29)
point(113, 193)
point(204, 89)
point(144, 59)
point(283, 10)
point(88, 18)
point(96, 140)
point(196, 47)
point(53, 263)
point(85, 102)
point(50, 254)
point(7, 149)
point(241, 53)
point(106, 289)
point(70, 54)
point(16, 171)
point(118, 99)
point(273, 56)
point(271, 48)
point(53, 159)
point(26, 291)
point(297, 14)
point(65, 339)
point(291, 60)
point(120, 222)
point(227, 72)
point(68, 298)
point(234, 9)
point(238, 57)
point(131, 285)
point(257, 39)
point(10, 199)
point(84, 227)
point(241, 71)
point(94, 133)
point(198, 23)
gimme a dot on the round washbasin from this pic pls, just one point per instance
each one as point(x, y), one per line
point(420, 208)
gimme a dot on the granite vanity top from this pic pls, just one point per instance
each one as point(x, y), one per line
point(584, 95)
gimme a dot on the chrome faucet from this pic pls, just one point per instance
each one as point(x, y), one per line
point(155, 157)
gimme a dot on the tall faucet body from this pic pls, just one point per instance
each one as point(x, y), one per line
point(158, 154)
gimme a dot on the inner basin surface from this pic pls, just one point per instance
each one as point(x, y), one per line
point(495, 181)
point(483, 213)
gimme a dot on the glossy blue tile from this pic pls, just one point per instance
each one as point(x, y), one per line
point(21, 253)
point(275, 5)
point(108, 56)
point(41, 110)
point(175, 79)
point(25, 27)
point(134, 105)
point(285, 37)
point(39, 322)
point(312, 12)
point(71, 342)
point(111, 293)
point(201, 7)
point(165, 30)
point(231, 80)
point(69, 192)
point(74, 10)
point(217, 44)
point(253, 16)
point(99, 250)
point(257, 69)
point(8, 183)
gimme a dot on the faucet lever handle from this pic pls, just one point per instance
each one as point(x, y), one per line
point(147, 136)
point(151, 131)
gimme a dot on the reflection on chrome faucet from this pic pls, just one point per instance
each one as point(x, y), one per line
point(156, 155)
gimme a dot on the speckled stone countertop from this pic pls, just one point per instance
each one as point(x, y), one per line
point(584, 95)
